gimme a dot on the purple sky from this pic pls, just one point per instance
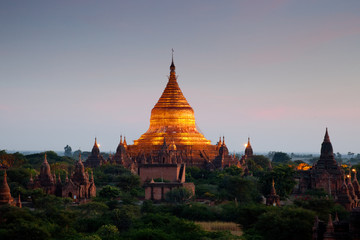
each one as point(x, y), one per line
point(277, 71)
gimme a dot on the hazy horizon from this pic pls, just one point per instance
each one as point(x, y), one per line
point(279, 72)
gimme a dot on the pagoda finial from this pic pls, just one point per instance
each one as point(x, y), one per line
point(95, 142)
point(326, 138)
point(121, 139)
point(79, 157)
point(125, 143)
point(248, 141)
point(18, 202)
point(223, 142)
point(45, 158)
point(172, 66)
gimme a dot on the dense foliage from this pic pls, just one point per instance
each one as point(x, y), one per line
point(117, 213)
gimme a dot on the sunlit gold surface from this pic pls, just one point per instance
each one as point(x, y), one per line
point(303, 166)
point(173, 118)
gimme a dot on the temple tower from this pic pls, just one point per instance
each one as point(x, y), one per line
point(172, 117)
point(95, 159)
point(248, 150)
point(5, 195)
point(326, 173)
point(273, 199)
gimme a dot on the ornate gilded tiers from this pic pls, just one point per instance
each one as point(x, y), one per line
point(173, 118)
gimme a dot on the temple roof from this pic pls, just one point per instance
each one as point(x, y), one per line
point(172, 117)
point(327, 159)
point(5, 196)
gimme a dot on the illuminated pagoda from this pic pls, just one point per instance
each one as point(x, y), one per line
point(173, 137)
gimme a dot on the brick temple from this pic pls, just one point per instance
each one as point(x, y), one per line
point(79, 186)
point(327, 174)
point(172, 137)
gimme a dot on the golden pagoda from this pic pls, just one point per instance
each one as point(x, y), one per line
point(172, 118)
point(172, 137)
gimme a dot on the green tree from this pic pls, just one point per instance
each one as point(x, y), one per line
point(124, 217)
point(233, 171)
point(127, 182)
point(109, 192)
point(257, 164)
point(108, 232)
point(285, 223)
point(280, 157)
point(178, 195)
point(67, 151)
point(283, 176)
point(244, 190)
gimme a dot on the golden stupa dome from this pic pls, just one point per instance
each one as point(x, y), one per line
point(172, 117)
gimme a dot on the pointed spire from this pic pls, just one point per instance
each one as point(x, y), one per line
point(220, 142)
point(273, 190)
point(125, 143)
point(95, 144)
point(45, 158)
point(121, 139)
point(326, 137)
point(5, 195)
point(18, 202)
point(248, 144)
point(223, 142)
point(172, 66)
point(79, 161)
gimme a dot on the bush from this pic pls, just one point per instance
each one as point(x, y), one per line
point(109, 192)
point(178, 195)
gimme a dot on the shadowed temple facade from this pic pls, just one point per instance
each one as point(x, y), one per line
point(172, 137)
point(79, 186)
point(326, 174)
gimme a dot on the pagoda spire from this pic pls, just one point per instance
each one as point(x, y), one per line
point(18, 202)
point(273, 190)
point(326, 137)
point(327, 153)
point(5, 195)
point(45, 158)
point(121, 139)
point(80, 157)
point(172, 66)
